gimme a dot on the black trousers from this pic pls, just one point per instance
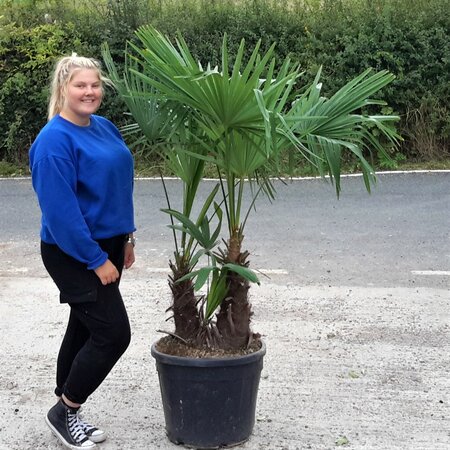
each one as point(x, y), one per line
point(98, 332)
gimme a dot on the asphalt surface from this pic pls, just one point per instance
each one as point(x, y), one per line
point(381, 239)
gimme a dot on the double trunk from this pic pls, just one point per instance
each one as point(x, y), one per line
point(232, 330)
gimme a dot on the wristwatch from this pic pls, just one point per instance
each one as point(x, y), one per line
point(131, 240)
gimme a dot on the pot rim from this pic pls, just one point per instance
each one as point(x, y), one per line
point(208, 362)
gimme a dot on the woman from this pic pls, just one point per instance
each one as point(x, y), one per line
point(82, 173)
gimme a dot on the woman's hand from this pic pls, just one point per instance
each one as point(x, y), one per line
point(129, 255)
point(107, 272)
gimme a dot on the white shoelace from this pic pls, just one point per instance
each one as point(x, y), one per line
point(87, 428)
point(75, 428)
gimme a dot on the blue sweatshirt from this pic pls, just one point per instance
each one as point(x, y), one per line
point(83, 177)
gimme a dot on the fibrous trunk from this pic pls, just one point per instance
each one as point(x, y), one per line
point(185, 312)
point(233, 319)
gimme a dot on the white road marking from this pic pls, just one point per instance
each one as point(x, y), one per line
point(16, 270)
point(272, 271)
point(445, 273)
point(386, 172)
point(347, 175)
point(264, 271)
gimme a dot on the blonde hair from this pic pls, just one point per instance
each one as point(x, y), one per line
point(64, 70)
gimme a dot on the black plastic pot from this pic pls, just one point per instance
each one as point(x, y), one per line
point(210, 402)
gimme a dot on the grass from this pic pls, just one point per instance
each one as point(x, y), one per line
point(427, 165)
point(146, 169)
point(8, 170)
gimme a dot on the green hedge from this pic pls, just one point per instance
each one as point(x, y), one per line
point(408, 37)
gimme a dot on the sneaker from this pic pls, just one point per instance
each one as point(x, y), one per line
point(93, 433)
point(64, 423)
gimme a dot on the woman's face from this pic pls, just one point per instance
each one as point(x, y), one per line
point(83, 96)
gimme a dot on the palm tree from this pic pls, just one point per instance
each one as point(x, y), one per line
point(157, 131)
point(243, 119)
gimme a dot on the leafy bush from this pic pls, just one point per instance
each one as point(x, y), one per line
point(27, 57)
point(411, 40)
point(408, 37)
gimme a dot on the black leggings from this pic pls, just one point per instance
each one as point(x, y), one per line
point(98, 332)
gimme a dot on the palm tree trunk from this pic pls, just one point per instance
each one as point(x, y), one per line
point(184, 306)
point(233, 319)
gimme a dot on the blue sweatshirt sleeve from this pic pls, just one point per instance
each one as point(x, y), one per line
point(55, 182)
